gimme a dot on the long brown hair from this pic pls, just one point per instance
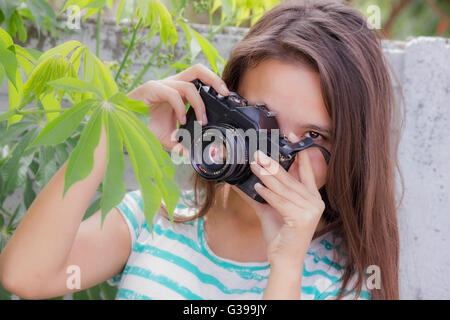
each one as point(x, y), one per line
point(359, 193)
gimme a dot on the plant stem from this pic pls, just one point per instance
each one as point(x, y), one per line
point(130, 46)
point(5, 212)
point(40, 111)
point(97, 40)
point(146, 67)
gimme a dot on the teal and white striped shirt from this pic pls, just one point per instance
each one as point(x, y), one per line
point(177, 263)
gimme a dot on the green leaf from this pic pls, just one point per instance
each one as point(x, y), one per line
point(113, 186)
point(14, 170)
point(8, 61)
point(75, 85)
point(99, 76)
point(123, 100)
point(168, 30)
point(52, 68)
point(15, 94)
point(93, 208)
point(42, 13)
point(49, 101)
point(47, 166)
point(139, 153)
point(9, 7)
point(61, 152)
point(58, 130)
point(4, 295)
point(63, 49)
point(119, 12)
point(12, 132)
point(164, 181)
point(29, 195)
point(26, 60)
point(163, 162)
point(109, 292)
point(81, 161)
point(210, 51)
point(194, 45)
point(6, 38)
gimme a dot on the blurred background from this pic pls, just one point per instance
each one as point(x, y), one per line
point(400, 19)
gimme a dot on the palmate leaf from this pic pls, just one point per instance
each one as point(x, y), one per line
point(14, 170)
point(113, 186)
point(58, 130)
point(98, 75)
point(75, 85)
point(121, 100)
point(54, 67)
point(8, 61)
point(156, 16)
point(163, 169)
point(211, 53)
point(167, 186)
point(168, 30)
point(63, 49)
point(47, 165)
point(139, 153)
point(81, 161)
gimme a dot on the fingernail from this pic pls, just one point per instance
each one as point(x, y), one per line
point(263, 159)
point(204, 119)
point(183, 119)
point(258, 186)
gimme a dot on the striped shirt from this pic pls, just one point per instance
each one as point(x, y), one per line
point(175, 262)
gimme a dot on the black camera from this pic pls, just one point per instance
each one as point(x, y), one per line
point(223, 149)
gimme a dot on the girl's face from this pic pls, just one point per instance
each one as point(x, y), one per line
point(293, 92)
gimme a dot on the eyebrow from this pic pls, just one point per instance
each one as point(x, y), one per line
point(305, 126)
point(315, 127)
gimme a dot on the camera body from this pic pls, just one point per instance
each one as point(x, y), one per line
point(236, 130)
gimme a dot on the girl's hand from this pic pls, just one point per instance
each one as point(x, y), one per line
point(167, 100)
point(293, 209)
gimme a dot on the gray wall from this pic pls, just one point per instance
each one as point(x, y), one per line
point(422, 66)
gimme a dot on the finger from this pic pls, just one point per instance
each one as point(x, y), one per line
point(188, 91)
point(207, 76)
point(170, 95)
point(275, 169)
point(283, 206)
point(277, 186)
point(306, 172)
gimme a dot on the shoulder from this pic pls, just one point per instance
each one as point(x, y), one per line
point(324, 268)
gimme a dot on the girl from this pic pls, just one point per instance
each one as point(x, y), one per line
point(324, 227)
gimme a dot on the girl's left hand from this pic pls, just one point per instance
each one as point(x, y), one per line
point(293, 209)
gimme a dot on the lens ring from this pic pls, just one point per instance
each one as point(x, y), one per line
point(235, 150)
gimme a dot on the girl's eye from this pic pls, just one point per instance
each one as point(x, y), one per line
point(314, 135)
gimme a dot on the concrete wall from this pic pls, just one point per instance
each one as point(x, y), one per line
point(422, 66)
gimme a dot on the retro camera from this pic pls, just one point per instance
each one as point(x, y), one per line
point(221, 150)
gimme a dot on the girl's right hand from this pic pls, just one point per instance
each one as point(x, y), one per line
point(167, 98)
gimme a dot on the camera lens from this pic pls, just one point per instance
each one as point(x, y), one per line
point(219, 153)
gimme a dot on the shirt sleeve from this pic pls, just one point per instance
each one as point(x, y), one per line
point(332, 292)
point(132, 211)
